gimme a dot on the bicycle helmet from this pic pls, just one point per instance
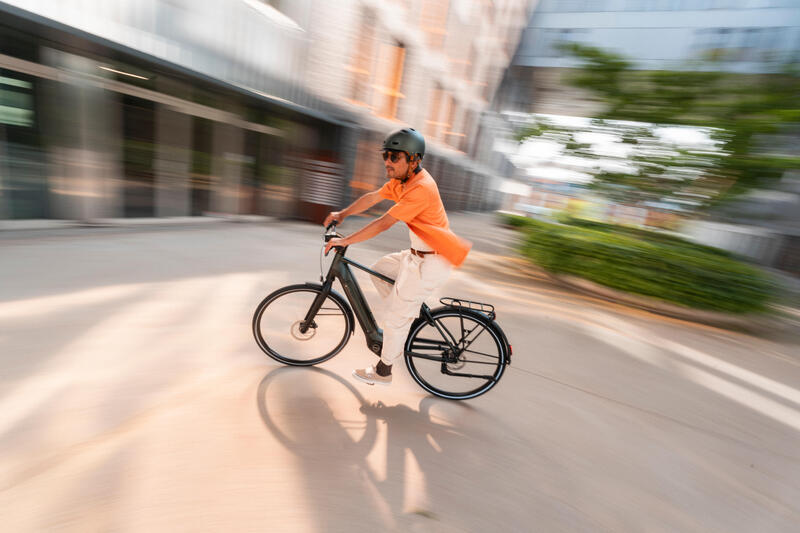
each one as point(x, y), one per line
point(406, 140)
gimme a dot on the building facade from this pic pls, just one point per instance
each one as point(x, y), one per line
point(175, 108)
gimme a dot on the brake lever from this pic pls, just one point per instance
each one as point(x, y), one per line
point(331, 233)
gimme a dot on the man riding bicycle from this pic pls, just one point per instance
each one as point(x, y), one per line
point(434, 250)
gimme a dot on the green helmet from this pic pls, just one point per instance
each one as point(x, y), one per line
point(406, 140)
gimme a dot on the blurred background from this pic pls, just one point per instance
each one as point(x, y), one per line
point(627, 170)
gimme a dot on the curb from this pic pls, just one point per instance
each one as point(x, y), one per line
point(46, 224)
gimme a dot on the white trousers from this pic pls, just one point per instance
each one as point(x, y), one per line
point(415, 280)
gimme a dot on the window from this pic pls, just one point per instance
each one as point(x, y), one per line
point(16, 100)
point(469, 68)
point(442, 116)
point(433, 21)
point(467, 127)
point(391, 59)
point(434, 112)
point(361, 62)
point(455, 136)
point(449, 118)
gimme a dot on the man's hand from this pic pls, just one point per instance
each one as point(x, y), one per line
point(333, 215)
point(335, 242)
point(367, 232)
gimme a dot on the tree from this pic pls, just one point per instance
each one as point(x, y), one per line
point(743, 114)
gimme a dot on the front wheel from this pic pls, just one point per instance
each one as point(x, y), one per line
point(281, 331)
point(474, 367)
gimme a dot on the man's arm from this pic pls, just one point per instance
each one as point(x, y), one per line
point(379, 225)
point(359, 206)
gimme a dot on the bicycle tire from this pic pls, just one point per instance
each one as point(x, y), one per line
point(423, 335)
point(281, 339)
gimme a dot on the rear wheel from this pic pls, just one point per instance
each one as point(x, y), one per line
point(280, 330)
point(472, 369)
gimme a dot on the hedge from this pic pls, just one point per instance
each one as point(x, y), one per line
point(663, 267)
point(638, 233)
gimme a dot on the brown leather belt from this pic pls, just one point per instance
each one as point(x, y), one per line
point(420, 253)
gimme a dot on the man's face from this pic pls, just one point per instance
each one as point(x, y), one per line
point(395, 169)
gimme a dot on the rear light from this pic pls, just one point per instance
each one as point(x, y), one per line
point(510, 350)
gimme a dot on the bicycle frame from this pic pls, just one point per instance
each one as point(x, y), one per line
point(340, 269)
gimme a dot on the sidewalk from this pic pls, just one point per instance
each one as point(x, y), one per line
point(53, 224)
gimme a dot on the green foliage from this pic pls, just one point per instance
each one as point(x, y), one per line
point(517, 221)
point(741, 111)
point(661, 238)
point(648, 264)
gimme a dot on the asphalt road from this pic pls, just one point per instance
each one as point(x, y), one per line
point(133, 398)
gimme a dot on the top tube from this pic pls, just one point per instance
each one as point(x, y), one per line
point(330, 232)
point(368, 270)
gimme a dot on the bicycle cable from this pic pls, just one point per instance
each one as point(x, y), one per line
point(321, 250)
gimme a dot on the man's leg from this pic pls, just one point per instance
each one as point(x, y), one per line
point(388, 265)
point(417, 280)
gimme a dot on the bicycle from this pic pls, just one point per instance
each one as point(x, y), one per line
point(308, 323)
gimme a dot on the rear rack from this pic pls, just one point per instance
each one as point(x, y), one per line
point(487, 309)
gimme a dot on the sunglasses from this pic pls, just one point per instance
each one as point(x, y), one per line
point(393, 156)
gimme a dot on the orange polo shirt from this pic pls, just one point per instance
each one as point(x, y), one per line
point(419, 205)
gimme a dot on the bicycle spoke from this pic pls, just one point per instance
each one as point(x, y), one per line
point(467, 344)
point(484, 354)
point(336, 311)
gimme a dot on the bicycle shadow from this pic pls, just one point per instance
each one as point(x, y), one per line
point(388, 467)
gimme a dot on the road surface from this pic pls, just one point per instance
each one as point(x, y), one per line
point(133, 398)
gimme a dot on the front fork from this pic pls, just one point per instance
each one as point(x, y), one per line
point(316, 305)
point(373, 334)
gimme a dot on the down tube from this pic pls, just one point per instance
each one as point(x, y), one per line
point(357, 300)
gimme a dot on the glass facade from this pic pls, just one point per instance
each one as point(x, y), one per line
point(91, 134)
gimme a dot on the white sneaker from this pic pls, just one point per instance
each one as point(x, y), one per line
point(370, 376)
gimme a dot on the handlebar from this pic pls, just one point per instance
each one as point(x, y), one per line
point(331, 233)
